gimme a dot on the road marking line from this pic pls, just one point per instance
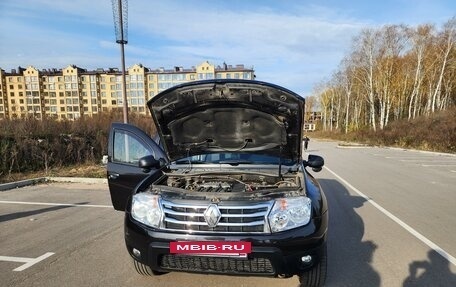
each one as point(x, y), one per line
point(28, 261)
point(404, 225)
point(429, 160)
point(437, 165)
point(56, 204)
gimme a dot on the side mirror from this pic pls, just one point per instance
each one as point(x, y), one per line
point(148, 162)
point(315, 162)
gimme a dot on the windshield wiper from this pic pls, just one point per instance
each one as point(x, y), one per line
point(235, 161)
point(186, 161)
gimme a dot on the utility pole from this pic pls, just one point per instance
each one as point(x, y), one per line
point(120, 13)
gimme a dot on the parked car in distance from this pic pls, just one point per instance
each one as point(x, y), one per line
point(223, 187)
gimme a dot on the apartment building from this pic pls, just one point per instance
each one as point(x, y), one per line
point(73, 92)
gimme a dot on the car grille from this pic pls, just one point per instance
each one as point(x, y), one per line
point(234, 218)
point(216, 264)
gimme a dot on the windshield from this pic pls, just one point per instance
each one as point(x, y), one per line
point(233, 158)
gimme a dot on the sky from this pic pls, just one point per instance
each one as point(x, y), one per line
point(295, 44)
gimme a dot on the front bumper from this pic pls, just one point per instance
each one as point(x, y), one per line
point(272, 254)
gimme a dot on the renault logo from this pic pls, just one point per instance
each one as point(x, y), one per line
point(212, 215)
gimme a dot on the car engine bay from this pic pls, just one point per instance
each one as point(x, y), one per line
point(231, 182)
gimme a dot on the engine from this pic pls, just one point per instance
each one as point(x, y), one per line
point(230, 183)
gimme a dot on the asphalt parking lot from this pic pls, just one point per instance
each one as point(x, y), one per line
point(392, 222)
point(68, 234)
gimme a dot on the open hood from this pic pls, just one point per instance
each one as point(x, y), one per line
point(229, 116)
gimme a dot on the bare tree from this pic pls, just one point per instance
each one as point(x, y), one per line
point(365, 58)
point(447, 38)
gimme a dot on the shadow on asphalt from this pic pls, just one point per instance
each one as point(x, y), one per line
point(434, 272)
point(349, 257)
point(17, 215)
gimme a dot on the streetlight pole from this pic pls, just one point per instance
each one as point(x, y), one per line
point(119, 9)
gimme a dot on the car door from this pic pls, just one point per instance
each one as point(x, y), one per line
point(127, 144)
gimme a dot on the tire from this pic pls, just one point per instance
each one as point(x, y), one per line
point(145, 270)
point(316, 276)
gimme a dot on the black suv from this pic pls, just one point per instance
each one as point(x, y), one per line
point(222, 187)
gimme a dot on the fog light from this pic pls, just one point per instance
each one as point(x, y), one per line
point(136, 253)
point(306, 259)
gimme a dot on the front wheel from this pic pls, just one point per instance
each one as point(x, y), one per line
point(316, 276)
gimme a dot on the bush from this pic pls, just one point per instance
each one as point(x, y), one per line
point(30, 145)
point(436, 132)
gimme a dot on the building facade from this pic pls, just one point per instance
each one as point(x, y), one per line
point(73, 92)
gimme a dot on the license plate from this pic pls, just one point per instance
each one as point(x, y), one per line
point(211, 248)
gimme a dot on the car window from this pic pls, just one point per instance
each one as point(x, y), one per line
point(129, 149)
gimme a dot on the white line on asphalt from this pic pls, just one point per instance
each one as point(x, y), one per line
point(28, 261)
point(55, 204)
point(415, 157)
point(404, 225)
point(429, 160)
point(437, 165)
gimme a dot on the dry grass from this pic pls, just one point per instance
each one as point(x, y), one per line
point(87, 170)
point(434, 133)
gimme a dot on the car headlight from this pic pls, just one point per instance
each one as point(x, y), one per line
point(288, 213)
point(146, 209)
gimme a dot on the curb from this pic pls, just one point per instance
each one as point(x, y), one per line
point(353, 145)
point(77, 179)
point(356, 145)
point(26, 182)
point(21, 183)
